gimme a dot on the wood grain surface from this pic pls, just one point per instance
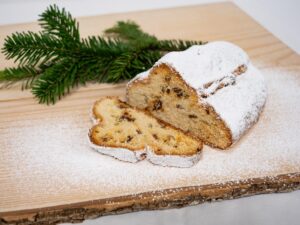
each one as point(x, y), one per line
point(29, 196)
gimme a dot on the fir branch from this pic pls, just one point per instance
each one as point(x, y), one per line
point(29, 48)
point(119, 68)
point(101, 47)
point(61, 24)
point(53, 61)
point(11, 75)
point(131, 32)
point(56, 81)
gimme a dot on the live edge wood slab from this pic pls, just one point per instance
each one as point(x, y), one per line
point(23, 201)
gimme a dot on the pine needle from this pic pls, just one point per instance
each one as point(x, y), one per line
point(55, 60)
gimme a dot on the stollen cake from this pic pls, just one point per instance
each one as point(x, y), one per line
point(132, 135)
point(211, 91)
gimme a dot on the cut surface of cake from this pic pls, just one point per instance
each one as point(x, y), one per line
point(131, 135)
point(211, 91)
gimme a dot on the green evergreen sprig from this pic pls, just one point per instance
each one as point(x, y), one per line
point(53, 61)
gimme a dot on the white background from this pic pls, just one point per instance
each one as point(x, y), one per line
point(279, 17)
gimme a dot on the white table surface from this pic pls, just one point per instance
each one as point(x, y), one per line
point(278, 16)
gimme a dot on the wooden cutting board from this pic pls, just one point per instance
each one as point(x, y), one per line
point(49, 173)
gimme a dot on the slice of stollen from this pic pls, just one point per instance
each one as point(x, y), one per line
point(132, 135)
point(211, 91)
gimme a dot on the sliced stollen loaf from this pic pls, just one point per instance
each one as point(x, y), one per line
point(211, 91)
point(132, 135)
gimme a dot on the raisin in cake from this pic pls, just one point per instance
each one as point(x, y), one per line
point(211, 91)
point(131, 135)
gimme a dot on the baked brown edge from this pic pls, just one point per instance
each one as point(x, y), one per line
point(164, 199)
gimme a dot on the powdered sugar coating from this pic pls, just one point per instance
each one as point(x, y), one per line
point(127, 155)
point(201, 64)
point(123, 154)
point(173, 160)
point(240, 105)
point(205, 67)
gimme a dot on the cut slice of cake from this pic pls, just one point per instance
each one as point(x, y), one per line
point(131, 135)
point(211, 91)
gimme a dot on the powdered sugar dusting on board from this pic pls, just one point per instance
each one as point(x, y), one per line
point(53, 154)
